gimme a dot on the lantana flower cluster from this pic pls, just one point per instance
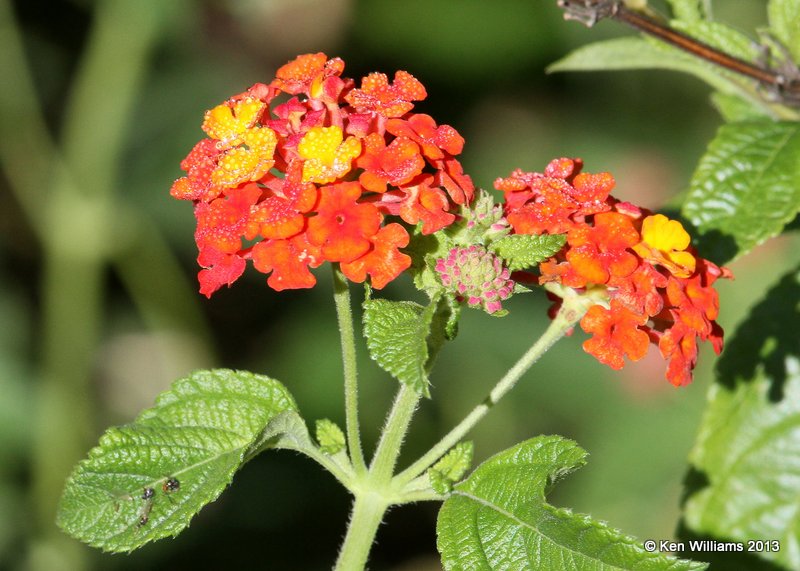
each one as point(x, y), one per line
point(314, 167)
point(658, 290)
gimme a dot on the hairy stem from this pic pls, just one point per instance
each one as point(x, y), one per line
point(374, 492)
point(368, 511)
point(570, 313)
point(344, 315)
point(394, 431)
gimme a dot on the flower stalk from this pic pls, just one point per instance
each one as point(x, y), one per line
point(569, 314)
point(344, 315)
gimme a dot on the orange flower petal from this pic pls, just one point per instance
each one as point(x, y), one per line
point(384, 262)
point(343, 228)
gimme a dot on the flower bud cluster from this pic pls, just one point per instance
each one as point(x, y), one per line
point(477, 276)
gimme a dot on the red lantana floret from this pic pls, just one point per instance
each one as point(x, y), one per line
point(658, 290)
point(377, 95)
point(312, 168)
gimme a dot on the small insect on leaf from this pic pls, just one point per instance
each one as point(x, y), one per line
point(149, 498)
point(221, 412)
point(171, 485)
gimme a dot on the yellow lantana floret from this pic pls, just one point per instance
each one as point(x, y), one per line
point(249, 162)
point(327, 156)
point(664, 242)
point(228, 123)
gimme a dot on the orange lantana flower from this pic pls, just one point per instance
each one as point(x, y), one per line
point(389, 100)
point(657, 289)
point(384, 262)
point(319, 176)
point(616, 334)
point(395, 164)
point(343, 228)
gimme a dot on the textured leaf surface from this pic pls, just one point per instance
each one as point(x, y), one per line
point(746, 187)
point(403, 337)
point(498, 519)
point(521, 251)
point(747, 455)
point(198, 433)
point(330, 437)
point(451, 468)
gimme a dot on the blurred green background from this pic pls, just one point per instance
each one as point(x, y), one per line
point(99, 102)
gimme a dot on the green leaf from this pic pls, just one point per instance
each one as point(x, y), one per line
point(198, 433)
point(734, 108)
point(616, 54)
point(403, 337)
point(688, 10)
point(498, 519)
point(330, 437)
point(286, 430)
point(451, 468)
point(746, 187)
point(639, 53)
point(424, 251)
point(521, 251)
point(724, 38)
point(746, 475)
point(784, 22)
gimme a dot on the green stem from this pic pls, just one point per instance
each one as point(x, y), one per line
point(368, 511)
point(344, 315)
point(341, 470)
point(374, 492)
point(570, 313)
point(394, 431)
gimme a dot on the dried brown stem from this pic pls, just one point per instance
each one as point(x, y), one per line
point(784, 85)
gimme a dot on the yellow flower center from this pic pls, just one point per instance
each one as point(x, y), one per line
point(663, 242)
point(227, 124)
point(249, 162)
point(327, 156)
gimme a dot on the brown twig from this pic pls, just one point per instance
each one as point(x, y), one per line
point(783, 85)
